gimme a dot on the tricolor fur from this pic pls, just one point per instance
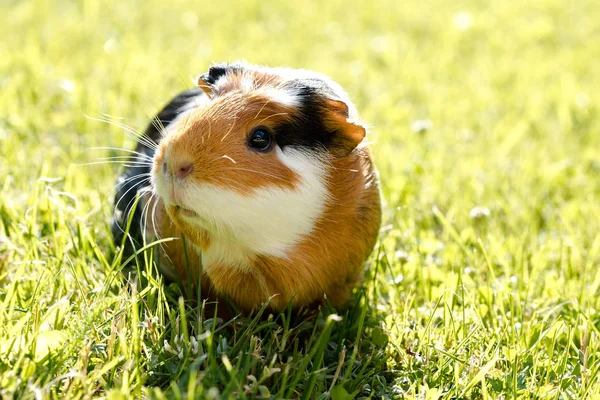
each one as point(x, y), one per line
point(296, 221)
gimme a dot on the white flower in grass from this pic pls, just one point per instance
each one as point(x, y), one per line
point(401, 255)
point(517, 325)
point(110, 46)
point(334, 317)
point(67, 85)
point(582, 100)
point(421, 125)
point(168, 347)
point(462, 20)
point(479, 212)
point(194, 345)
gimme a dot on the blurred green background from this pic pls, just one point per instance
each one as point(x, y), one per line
point(502, 84)
point(485, 130)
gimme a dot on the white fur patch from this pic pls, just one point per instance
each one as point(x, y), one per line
point(226, 252)
point(283, 96)
point(269, 221)
point(246, 83)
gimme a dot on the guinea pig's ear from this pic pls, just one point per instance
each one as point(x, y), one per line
point(208, 79)
point(348, 131)
point(203, 84)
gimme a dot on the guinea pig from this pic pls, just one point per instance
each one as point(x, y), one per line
point(265, 177)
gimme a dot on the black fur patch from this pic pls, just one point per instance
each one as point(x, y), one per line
point(218, 70)
point(308, 129)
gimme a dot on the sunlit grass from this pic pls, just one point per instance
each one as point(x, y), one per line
point(485, 283)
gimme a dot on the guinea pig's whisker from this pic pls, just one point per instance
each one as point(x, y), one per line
point(153, 220)
point(131, 159)
point(107, 115)
point(137, 177)
point(256, 172)
point(139, 137)
point(125, 194)
point(272, 115)
point(220, 158)
point(145, 215)
point(225, 156)
point(127, 209)
point(230, 129)
point(125, 158)
point(118, 162)
point(159, 125)
point(262, 108)
point(145, 156)
point(124, 161)
point(140, 193)
point(137, 185)
point(146, 189)
point(209, 131)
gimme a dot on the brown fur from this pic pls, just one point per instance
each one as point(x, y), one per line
point(330, 261)
point(226, 123)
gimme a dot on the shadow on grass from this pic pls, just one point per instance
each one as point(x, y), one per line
point(198, 349)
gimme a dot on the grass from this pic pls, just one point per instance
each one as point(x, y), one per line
point(485, 282)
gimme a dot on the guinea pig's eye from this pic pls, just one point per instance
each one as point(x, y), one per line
point(260, 139)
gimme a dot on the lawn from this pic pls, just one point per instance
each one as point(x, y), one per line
point(486, 132)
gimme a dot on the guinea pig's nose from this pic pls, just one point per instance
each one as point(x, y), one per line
point(183, 169)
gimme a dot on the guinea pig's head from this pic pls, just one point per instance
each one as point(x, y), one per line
point(250, 163)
